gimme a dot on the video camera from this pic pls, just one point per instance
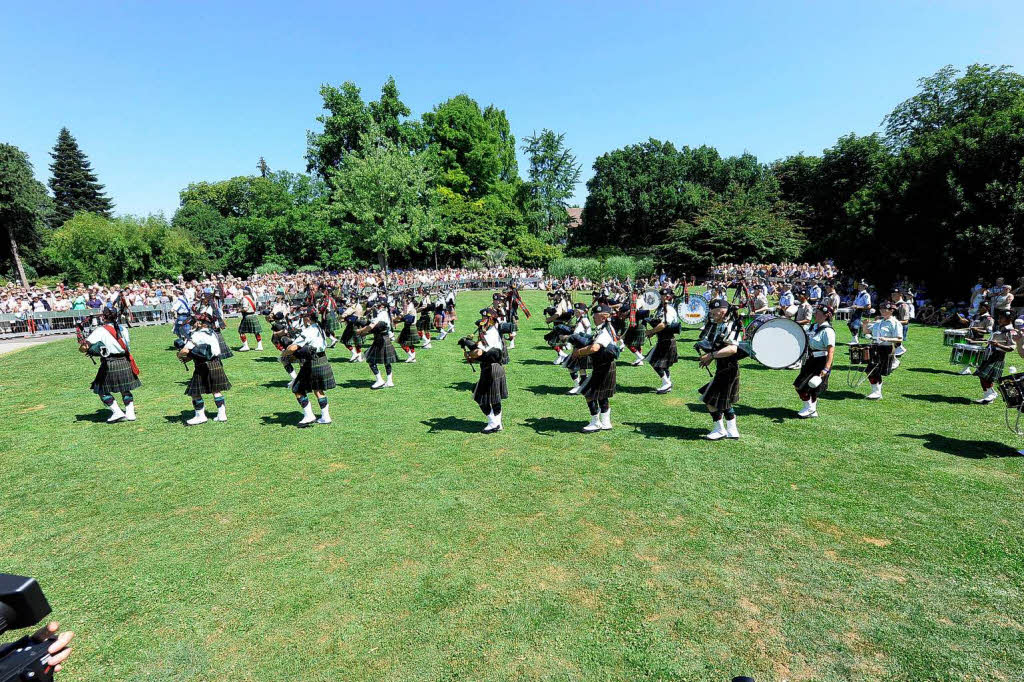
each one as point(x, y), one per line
point(22, 605)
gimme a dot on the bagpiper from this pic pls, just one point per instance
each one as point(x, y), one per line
point(665, 326)
point(720, 343)
point(118, 372)
point(315, 374)
point(250, 323)
point(208, 378)
point(381, 351)
point(491, 387)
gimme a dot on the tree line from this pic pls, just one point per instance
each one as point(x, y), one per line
point(937, 197)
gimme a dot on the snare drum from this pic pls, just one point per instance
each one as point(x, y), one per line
point(951, 337)
point(775, 342)
point(966, 355)
point(843, 313)
point(860, 353)
point(1012, 389)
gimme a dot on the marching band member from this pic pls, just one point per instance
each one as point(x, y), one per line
point(315, 374)
point(723, 391)
point(562, 315)
point(491, 387)
point(902, 315)
point(578, 367)
point(787, 307)
point(349, 338)
point(831, 296)
point(814, 294)
point(601, 385)
point(212, 307)
point(381, 351)
point(182, 310)
point(759, 303)
point(512, 312)
point(118, 372)
point(664, 354)
point(250, 323)
point(425, 309)
point(821, 349)
point(861, 306)
point(991, 367)
point(634, 337)
point(885, 333)
point(804, 312)
point(449, 310)
point(203, 349)
point(407, 337)
point(329, 316)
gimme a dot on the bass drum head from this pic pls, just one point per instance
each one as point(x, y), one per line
point(693, 312)
point(776, 342)
point(651, 299)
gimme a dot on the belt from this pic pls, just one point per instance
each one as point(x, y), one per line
point(819, 353)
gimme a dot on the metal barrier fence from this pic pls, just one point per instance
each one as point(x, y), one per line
point(51, 323)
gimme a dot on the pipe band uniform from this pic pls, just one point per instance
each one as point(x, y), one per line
point(381, 351)
point(665, 326)
point(491, 386)
point(600, 385)
point(250, 323)
point(812, 380)
point(208, 377)
point(315, 374)
point(720, 343)
point(117, 372)
point(886, 334)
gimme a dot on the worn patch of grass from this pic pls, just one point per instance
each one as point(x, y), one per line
point(881, 541)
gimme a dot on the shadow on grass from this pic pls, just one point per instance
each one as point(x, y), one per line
point(535, 361)
point(549, 390)
point(545, 426)
point(659, 430)
point(932, 370)
point(282, 419)
point(842, 395)
point(283, 383)
point(356, 383)
point(180, 418)
point(95, 417)
point(971, 449)
point(462, 385)
point(436, 424)
point(937, 398)
point(266, 358)
point(778, 414)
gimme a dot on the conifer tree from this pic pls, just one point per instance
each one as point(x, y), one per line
point(73, 183)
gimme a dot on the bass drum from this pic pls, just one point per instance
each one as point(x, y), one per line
point(651, 299)
point(775, 342)
point(693, 312)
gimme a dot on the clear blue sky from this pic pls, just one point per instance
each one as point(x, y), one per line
point(160, 94)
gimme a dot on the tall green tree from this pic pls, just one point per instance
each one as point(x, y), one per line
point(24, 206)
point(346, 122)
point(465, 150)
point(382, 191)
point(553, 175)
point(73, 183)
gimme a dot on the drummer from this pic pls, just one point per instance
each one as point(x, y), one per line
point(885, 334)
point(861, 306)
point(723, 391)
point(814, 293)
point(991, 367)
point(821, 349)
point(831, 296)
point(786, 301)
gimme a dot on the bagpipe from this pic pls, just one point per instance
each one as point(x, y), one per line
point(557, 333)
point(513, 296)
point(82, 335)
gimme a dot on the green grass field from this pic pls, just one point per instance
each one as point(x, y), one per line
point(880, 541)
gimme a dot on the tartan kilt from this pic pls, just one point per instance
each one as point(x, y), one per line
point(634, 337)
point(314, 375)
point(491, 387)
point(664, 354)
point(225, 349)
point(812, 367)
point(438, 320)
point(578, 364)
point(329, 323)
point(115, 376)
point(423, 322)
point(408, 336)
point(207, 377)
point(349, 336)
point(601, 382)
point(723, 391)
point(250, 325)
point(381, 351)
point(992, 368)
